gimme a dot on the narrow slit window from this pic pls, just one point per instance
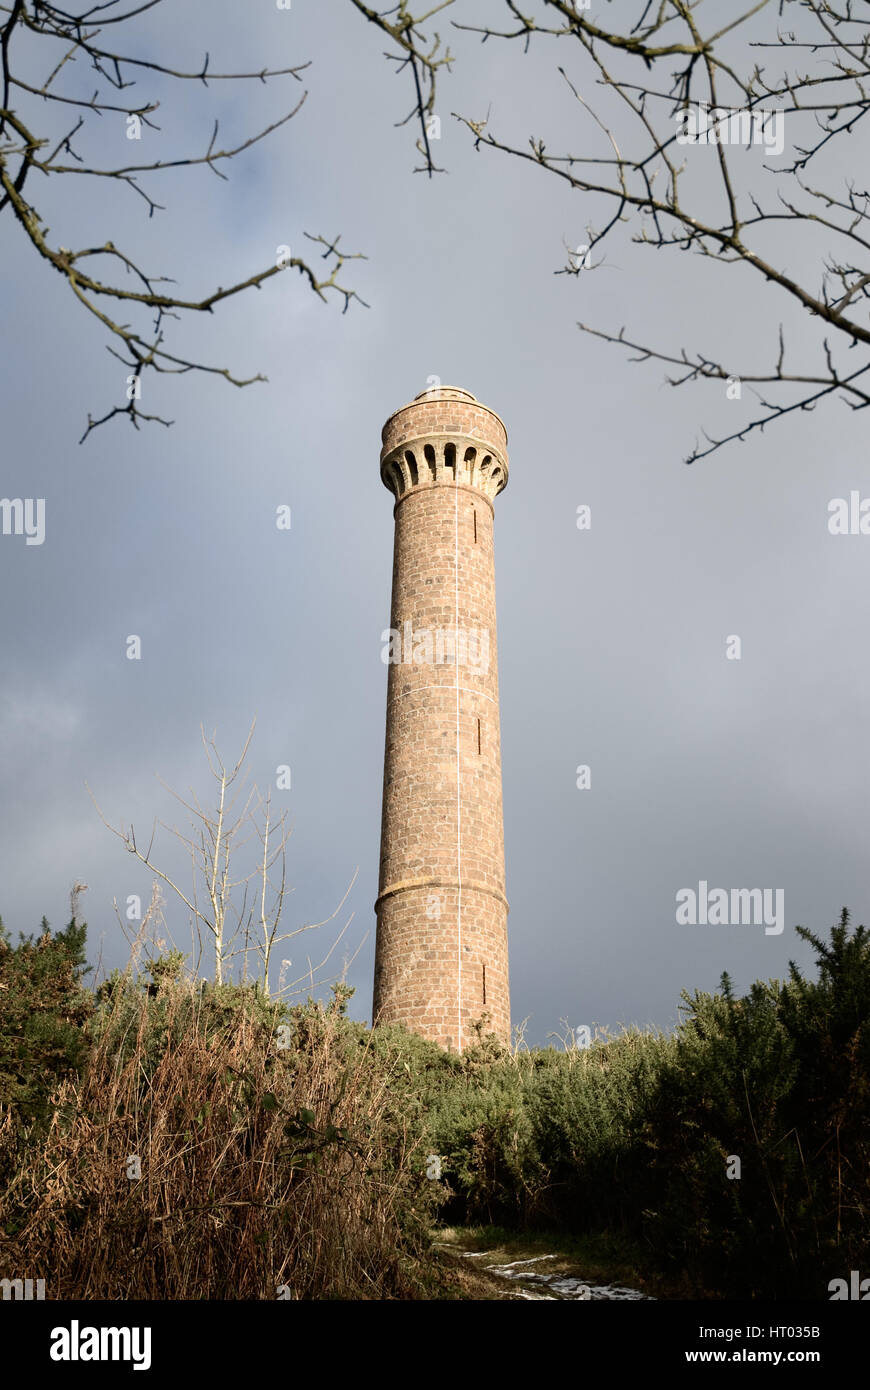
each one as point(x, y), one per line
point(474, 514)
point(478, 735)
point(484, 981)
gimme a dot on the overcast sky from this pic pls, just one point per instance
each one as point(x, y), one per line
point(612, 641)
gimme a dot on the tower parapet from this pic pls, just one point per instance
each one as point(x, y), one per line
point(444, 436)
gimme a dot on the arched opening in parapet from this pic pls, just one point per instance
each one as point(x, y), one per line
point(496, 476)
point(470, 456)
point(429, 454)
point(398, 480)
point(412, 467)
point(450, 459)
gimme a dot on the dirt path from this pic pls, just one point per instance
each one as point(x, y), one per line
point(514, 1267)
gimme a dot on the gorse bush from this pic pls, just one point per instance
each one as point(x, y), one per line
point(43, 1007)
point(736, 1151)
point(293, 1148)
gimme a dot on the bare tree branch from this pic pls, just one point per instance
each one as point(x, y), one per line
point(28, 149)
point(636, 155)
point(215, 851)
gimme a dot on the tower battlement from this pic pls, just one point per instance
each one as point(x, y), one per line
point(444, 436)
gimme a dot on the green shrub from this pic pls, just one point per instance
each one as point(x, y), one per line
point(324, 1152)
point(43, 1008)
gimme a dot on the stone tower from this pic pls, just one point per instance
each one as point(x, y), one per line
point(441, 959)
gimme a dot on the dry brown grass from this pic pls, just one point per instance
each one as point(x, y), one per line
point(260, 1167)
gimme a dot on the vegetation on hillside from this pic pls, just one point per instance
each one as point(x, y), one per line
point(164, 1137)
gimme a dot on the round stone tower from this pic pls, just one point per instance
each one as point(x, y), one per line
point(441, 960)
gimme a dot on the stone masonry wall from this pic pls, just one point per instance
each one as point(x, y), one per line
point(441, 955)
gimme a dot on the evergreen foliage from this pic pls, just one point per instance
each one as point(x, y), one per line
point(43, 1009)
point(734, 1153)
